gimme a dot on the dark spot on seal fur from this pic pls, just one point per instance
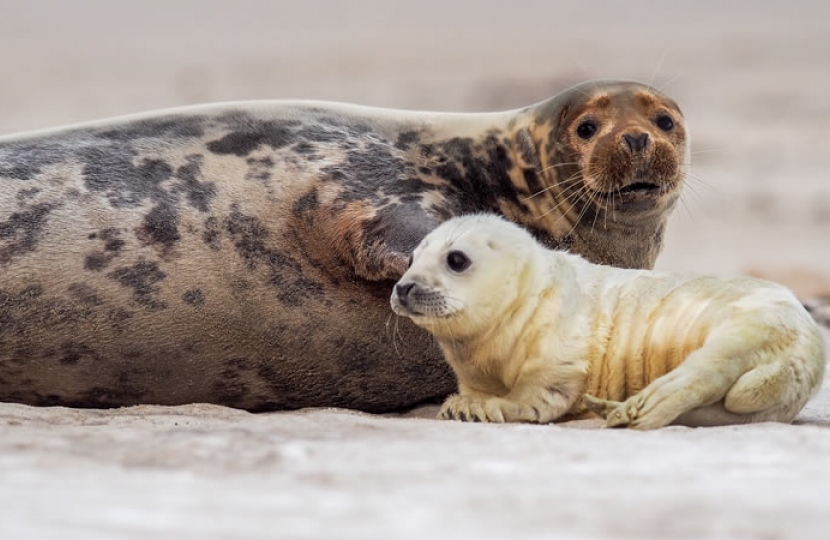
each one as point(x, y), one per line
point(160, 225)
point(369, 173)
point(72, 353)
point(285, 274)
point(194, 297)
point(23, 160)
point(26, 194)
point(176, 127)
point(307, 203)
point(114, 245)
point(477, 172)
point(534, 183)
point(407, 139)
point(142, 278)
point(354, 356)
point(110, 235)
point(20, 232)
point(30, 308)
point(233, 387)
point(277, 384)
point(199, 194)
point(248, 134)
point(96, 261)
point(125, 184)
point(304, 148)
point(248, 234)
point(259, 169)
point(84, 294)
point(319, 134)
point(211, 234)
point(295, 293)
point(118, 316)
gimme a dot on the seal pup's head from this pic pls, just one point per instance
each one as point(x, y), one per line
point(465, 275)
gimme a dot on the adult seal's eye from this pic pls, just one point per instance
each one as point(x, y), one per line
point(664, 122)
point(457, 261)
point(586, 129)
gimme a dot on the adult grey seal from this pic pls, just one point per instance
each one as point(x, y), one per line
point(243, 253)
point(530, 331)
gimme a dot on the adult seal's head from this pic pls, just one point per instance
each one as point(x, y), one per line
point(249, 248)
point(612, 158)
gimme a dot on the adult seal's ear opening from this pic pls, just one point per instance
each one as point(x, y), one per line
point(244, 253)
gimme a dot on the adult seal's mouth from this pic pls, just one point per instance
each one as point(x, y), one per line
point(637, 189)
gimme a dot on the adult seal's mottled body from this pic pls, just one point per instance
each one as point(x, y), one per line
point(242, 254)
point(530, 331)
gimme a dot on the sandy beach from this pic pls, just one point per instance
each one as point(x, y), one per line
point(753, 81)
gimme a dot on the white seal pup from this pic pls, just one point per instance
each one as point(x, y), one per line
point(529, 331)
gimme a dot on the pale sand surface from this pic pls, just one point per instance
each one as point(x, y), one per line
point(754, 82)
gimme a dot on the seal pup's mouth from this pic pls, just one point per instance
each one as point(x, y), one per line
point(414, 313)
point(405, 311)
point(418, 303)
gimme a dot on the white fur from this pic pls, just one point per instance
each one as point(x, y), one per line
point(529, 331)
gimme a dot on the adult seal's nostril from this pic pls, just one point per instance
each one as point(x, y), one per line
point(636, 143)
point(403, 290)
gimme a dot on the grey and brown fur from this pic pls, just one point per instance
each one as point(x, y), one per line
point(243, 253)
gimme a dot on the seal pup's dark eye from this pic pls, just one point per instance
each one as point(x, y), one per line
point(457, 261)
point(664, 122)
point(411, 258)
point(586, 129)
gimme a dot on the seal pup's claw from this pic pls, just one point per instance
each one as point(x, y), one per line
point(601, 407)
point(615, 413)
point(489, 409)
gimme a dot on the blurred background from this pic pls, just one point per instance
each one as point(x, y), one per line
point(752, 77)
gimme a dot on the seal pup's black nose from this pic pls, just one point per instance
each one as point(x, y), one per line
point(636, 142)
point(403, 290)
